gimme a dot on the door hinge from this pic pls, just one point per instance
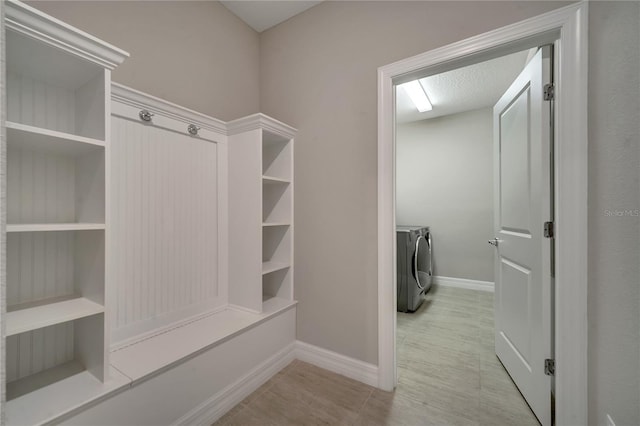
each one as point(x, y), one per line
point(548, 92)
point(550, 367)
point(548, 230)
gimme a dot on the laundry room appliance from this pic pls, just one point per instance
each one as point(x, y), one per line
point(414, 254)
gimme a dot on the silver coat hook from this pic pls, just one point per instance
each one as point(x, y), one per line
point(193, 129)
point(145, 115)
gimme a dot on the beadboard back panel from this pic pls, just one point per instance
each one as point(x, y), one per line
point(44, 104)
point(164, 226)
point(40, 266)
point(40, 187)
point(41, 104)
point(38, 350)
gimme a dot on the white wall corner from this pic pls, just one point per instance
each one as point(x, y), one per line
point(464, 283)
point(219, 404)
point(337, 363)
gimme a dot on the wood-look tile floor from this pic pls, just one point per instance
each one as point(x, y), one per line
point(448, 375)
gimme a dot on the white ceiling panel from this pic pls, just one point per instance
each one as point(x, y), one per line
point(463, 89)
point(262, 15)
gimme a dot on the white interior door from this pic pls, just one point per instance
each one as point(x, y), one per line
point(522, 202)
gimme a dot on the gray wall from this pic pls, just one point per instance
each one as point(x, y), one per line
point(614, 185)
point(444, 179)
point(318, 72)
point(193, 53)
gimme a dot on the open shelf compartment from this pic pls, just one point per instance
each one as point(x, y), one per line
point(44, 356)
point(276, 244)
point(276, 156)
point(48, 268)
point(52, 89)
point(276, 204)
point(277, 284)
point(55, 186)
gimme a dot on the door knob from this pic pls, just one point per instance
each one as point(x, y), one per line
point(494, 242)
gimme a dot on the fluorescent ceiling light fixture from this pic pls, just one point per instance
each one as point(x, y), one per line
point(417, 94)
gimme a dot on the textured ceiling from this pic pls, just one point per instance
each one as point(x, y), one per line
point(262, 15)
point(463, 89)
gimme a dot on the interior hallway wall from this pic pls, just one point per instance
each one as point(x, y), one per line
point(318, 72)
point(614, 210)
point(193, 53)
point(444, 179)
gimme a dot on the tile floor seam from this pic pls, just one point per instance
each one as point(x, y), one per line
point(364, 404)
point(366, 400)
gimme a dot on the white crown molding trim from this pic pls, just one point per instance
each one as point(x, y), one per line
point(219, 404)
point(337, 363)
point(137, 99)
point(22, 18)
point(260, 121)
point(464, 283)
point(567, 27)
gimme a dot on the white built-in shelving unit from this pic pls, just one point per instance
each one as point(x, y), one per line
point(260, 181)
point(172, 225)
point(126, 256)
point(57, 131)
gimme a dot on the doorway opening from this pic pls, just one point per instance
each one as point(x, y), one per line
point(566, 29)
point(446, 212)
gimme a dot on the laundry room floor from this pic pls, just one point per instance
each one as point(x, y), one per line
point(448, 375)
point(446, 360)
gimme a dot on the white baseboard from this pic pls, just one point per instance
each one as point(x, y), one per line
point(464, 283)
point(340, 364)
point(219, 404)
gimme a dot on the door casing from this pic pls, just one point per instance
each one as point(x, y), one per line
point(565, 28)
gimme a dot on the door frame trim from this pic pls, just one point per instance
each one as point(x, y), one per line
point(567, 28)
